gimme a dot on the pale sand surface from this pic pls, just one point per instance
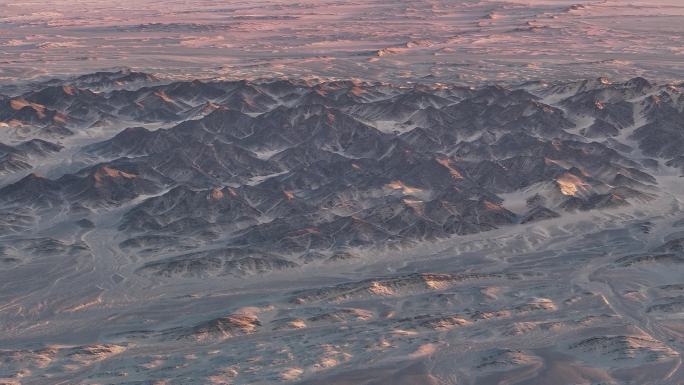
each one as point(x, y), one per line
point(430, 40)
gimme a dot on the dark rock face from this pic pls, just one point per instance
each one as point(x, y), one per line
point(539, 214)
point(15, 158)
point(275, 174)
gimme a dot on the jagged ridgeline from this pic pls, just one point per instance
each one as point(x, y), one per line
point(242, 177)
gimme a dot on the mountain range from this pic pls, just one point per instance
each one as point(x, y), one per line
point(116, 185)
